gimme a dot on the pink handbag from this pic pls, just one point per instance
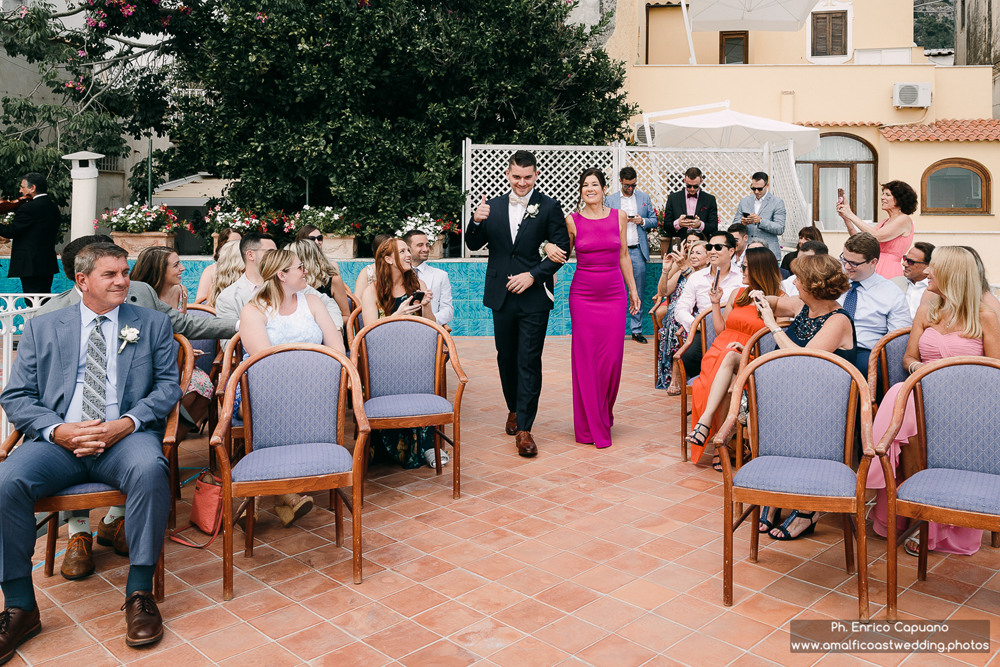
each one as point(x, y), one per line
point(206, 510)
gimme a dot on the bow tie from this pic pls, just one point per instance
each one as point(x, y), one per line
point(692, 196)
point(514, 199)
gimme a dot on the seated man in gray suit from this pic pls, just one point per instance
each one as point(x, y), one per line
point(762, 213)
point(78, 561)
point(90, 390)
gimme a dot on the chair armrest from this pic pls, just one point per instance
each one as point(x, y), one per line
point(9, 443)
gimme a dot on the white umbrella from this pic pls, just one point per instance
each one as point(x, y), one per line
point(713, 15)
point(731, 129)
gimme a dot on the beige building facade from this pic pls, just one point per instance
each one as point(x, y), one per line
point(885, 112)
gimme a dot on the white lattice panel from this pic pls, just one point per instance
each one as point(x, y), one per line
point(785, 184)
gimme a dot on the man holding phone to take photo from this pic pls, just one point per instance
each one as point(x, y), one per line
point(763, 214)
point(641, 219)
point(690, 209)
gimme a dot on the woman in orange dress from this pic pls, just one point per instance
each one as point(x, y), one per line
point(734, 326)
point(895, 233)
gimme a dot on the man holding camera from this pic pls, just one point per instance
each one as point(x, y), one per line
point(763, 214)
point(641, 218)
point(690, 209)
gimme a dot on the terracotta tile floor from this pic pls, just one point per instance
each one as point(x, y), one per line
point(574, 557)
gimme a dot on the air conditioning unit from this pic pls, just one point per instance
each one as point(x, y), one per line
point(911, 95)
point(640, 133)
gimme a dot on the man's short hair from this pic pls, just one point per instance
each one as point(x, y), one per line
point(759, 176)
point(627, 174)
point(730, 239)
point(817, 247)
point(408, 236)
point(738, 228)
point(693, 173)
point(863, 244)
point(37, 180)
point(73, 248)
point(252, 241)
point(87, 258)
point(523, 159)
point(926, 248)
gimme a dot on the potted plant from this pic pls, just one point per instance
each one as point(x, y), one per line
point(135, 227)
point(238, 220)
point(339, 235)
point(435, 229)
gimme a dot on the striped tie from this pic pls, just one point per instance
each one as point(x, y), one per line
point(95, 378)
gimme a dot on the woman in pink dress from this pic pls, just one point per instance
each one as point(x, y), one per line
point(956, 322)
point(596, 302)
point(895, 233)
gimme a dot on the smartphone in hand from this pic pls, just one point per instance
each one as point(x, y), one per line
point(840, 195)
point(715, 285)
point(417, 297)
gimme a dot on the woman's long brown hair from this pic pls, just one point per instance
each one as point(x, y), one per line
point(763, 272)
point(383, 275)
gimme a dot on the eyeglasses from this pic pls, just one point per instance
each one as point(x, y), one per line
point(318, 238)
point(292, 268)
point(716, 246)
point(911, 262)
point(757, 189)
point(847, 262)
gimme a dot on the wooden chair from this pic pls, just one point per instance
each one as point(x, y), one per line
point(703, 332)
point(231, 358)
point(957, 401)
point(201, 308)
point(657, 325)
point(886, 363)
point(759, 344)
point(355, 323)
point(401, 360)
point(94, 494)
point(295, 405)
point(803, 405)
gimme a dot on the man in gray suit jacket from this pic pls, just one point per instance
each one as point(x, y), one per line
point(90, 390)
point(139, 294)
point(763, 214)
point(641, 218)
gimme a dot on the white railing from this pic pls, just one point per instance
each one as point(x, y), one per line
point(12, 324)
point(661, 171)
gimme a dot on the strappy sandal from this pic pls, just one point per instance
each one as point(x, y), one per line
point(674, 390)
point(716, 463)
point(764, 521)
point(783, 528)
point(693, 437)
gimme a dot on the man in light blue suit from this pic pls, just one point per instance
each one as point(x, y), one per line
point(641, 218)
point(763, 214)
point(90, 390)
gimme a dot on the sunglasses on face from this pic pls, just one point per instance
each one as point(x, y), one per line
point(716, 246)
point(628, 186)
point(317, 238)
point(757, 189)
point(911, 262)
point(693, 187)
point(292, 268)
point(743, 267)
point(853, 265)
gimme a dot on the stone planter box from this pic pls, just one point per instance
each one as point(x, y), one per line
point(136, 243)
point(437, 248)
point(340, 247)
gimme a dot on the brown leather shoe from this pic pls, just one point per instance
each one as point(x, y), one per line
point(511, 427)
point(142, 620)
point(525, 444)
point(16, 627)
point(78, 561)
point(113, 535)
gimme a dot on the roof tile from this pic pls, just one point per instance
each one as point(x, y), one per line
point(948, 129)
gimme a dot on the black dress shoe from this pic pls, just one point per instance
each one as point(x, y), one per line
point(142, 620)
point(16, 627)
point(639, 338)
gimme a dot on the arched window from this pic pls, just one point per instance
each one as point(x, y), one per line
point(842, 161)
point(955, 185)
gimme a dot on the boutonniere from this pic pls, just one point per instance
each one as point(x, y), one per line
point(531, 211)
point(127, 335)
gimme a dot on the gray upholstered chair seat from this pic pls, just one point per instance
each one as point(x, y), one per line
point(691, 380)
point(785, 474)
point(289, 461)
point(406, 405)
point(953, 489)
point(86, 487)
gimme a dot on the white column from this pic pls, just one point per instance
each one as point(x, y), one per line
point(84, 200)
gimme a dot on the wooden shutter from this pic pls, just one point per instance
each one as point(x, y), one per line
point(829, 34)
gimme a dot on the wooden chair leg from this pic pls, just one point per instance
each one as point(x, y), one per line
point(50, 543)
point(175, 487)
point(848, 543)
point(227, 542)
point(755, 534)
point(727, 548)
point(996, 540)
point(924, 532)
point(684, 422)
point(248, 533)
point(158, 584)
point(862, 560)
point(338, 516)
point(456, 476)
point(437, 448)
point(890, 559)
point(357, 495)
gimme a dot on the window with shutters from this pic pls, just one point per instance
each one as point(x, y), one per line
point(734, 48)
point(829, 34)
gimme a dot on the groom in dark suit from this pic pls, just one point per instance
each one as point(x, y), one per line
point(90, 390)
point(519, 286)
point(690, 209)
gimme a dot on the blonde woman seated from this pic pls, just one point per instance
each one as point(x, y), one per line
point(397, 291)
point(228, 270)
point(323, 275)
point(820, 324)
point(367, 275)
point(278, 313)
point(208, 275)
point(956, 321)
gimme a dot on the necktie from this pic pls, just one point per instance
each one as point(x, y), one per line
point(851, 301)
point(95, 378)
point(514, 199)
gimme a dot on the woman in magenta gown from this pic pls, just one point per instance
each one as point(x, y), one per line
point(597, 308)
point(956, 322)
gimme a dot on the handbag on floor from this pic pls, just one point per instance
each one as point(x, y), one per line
point(206, 510)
